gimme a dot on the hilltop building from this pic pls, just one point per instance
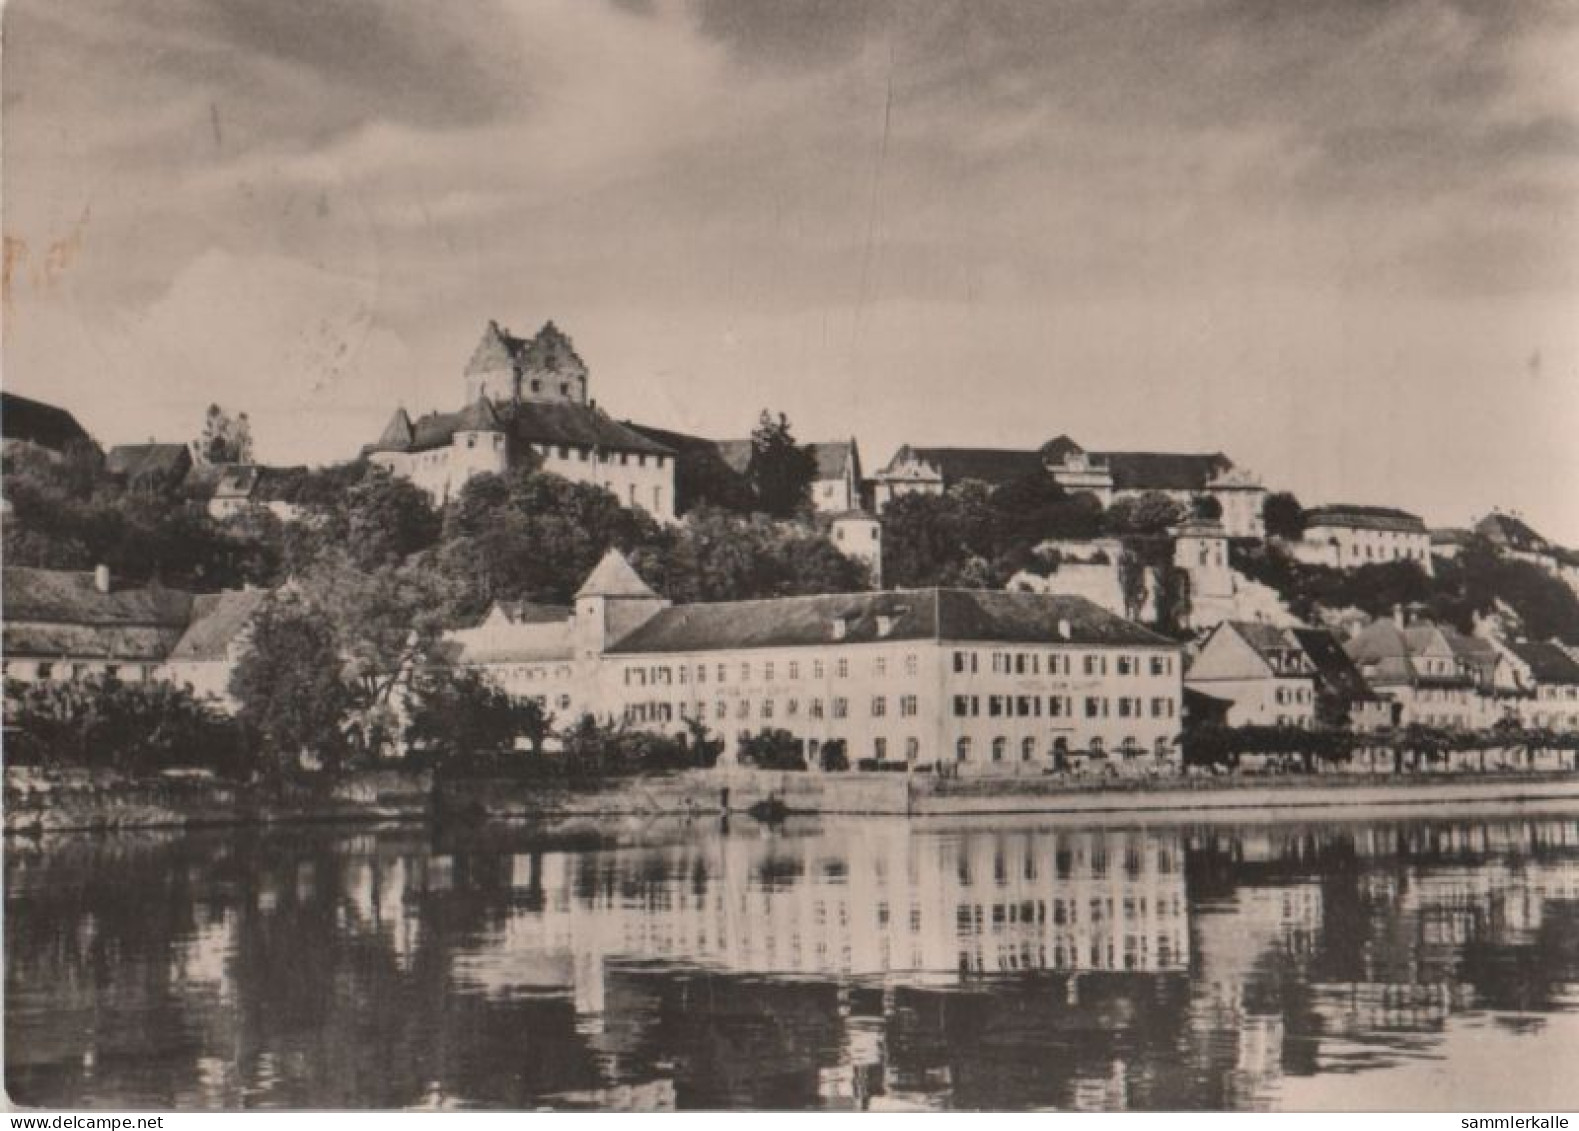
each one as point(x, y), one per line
point(988, 681)
point(1344, 536)
point(1434, 674)
point(150, 466)
point(527, 399)
point(1109, 476)
point(46, 427)
point(1282, 676)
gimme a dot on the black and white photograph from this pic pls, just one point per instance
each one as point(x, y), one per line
point(822, 556)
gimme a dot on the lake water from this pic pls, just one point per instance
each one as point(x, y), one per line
point(1406, 963)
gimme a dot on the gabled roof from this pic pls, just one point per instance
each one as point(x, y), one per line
point(48, 612)
point(479, 416)
point(1333, 666)
point(217, 619)
point(836, 460)
point(532, 422)
point(962, 615)
point(993, 466)
point(136, 461)
point(1365, 518)
point(1163, 471)
point(737, 454)
point(22, 418)
point(614, 577)
point(551, 351)
point(1451, 536)
point(397, 434)
point(531, 612)
point(1509, 532)
point(1548, 662)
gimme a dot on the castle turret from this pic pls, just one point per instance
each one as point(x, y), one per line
point(612, 603)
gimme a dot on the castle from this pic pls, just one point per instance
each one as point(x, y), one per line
point(527, 399)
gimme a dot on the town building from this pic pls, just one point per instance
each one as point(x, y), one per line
point(528, 401)
point(242, 488)
point(987, 681)
point(1343, 536)
point(1432, 674)
point(1549, 674)
point(216, 637)
point(859, 534)
point(46, 427)
point(1261, 670)
point(1108, 476)
point(150, 466)
point(1514, 538)
point(60, 625)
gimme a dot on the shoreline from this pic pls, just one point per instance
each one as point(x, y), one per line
point(39, 803)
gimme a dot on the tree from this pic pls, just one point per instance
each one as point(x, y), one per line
point(773, 748)
point(225, 439)
point(1207, 507)
point(1132, 581)
point(456, 714)
point(387, 520)
point(292, 700)
point(781, 471)
point(1150, 513)
point(1283, 516)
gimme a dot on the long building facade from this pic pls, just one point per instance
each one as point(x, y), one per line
point(983, 681)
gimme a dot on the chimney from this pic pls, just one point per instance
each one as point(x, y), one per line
point(101, 578)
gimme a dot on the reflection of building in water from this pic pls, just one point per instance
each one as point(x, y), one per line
point(877, 902)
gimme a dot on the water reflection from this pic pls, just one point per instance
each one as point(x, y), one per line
point(866, 964)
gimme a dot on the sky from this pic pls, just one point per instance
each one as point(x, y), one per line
point(1335, 239)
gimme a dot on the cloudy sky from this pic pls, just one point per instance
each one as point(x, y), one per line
point(1338, 239)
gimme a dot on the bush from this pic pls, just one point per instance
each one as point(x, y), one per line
point(834, 756)
point(102, 723)
point(773, 749)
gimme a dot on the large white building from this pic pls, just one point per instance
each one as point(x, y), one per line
point(1346, 537)
point(988, 681)
point(528, 401)
point(1108, 476)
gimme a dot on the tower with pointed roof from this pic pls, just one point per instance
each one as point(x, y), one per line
point(612, 603)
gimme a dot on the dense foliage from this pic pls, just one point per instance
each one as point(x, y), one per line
point(102, 723)
point(781, 471)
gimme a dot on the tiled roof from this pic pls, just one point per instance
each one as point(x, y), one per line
point(737, 454)
point(614, 577)
point(927, 614)
point(22, 418)
point(1333, 665)
point(397, 434)
point(530, 612)
point(1548, 662)
point(1364, 518)
point(1162, 471)
point(1451, 536)
point(1510, 532)
point(532, 422)
point(217, 618)
point(837, 459)
point(50, 612)
point(987, 465)
point(138, 460)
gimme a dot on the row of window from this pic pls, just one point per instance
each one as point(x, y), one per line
point(909, 707)
point(46, 670)
point(583, 455)
point(1287, 695)
point(1063, 706)
point(1030, 746)
point(665, 675)
point(1060, 663)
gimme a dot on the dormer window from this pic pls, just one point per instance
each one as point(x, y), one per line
point(841, 627)
point(885, 624)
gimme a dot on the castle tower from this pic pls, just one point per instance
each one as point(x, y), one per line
point(859, 535)
point(613, 602)
point(480, 445)
point(1201, 550)
point(544, 369)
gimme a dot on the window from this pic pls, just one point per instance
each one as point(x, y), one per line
point(814, 708)
point(745, 673)
point(1096, 665)
point(994, 706)
point(1159, 665)
point(1126, 665)
point(961, 706)
point(1095, 708)
point(909, 706)
point(701, 673)
point(879, 706)
point(816, 669)
point(911, 664)
point(767, 708)
point(843, 669)
point(880, 665)
point(1019, 664)
point(1123, 706)
point(1022, 706)
point(841, 708)
point(722, 673)
point(1159, 708)
point(792, 708)
point(959, 663)
point(794, 669)
point(743, 709)
point(46, 671)
point(962, 749)
point(880, 749)
point(1027, 748)
point(1055, 706)
point(1000, 746)
point(767, 671)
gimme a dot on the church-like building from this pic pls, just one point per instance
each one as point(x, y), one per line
point(528, 397)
